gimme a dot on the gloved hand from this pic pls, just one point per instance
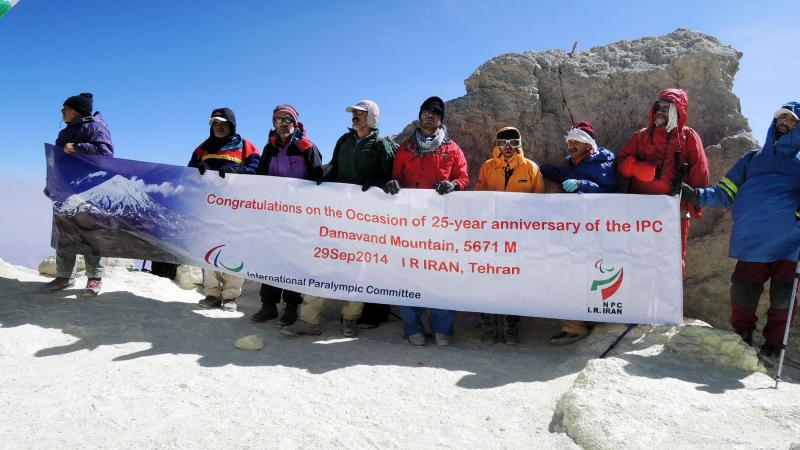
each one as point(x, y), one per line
point(690, 195)
point(570, 185)
point(365, 187)
point(227, 169)
point(391, 187)
point(644, 171)
point(445, 187)
point(318, 181)
point(202, 167)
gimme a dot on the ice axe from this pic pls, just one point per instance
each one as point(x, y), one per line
point(614, 344)
point(788, 324)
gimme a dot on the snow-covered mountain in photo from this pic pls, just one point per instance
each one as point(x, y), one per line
point(122, 198)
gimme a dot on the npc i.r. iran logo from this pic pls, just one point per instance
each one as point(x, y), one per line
point(607, 283)
point(213, 257)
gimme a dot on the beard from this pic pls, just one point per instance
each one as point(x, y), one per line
point(660, 121)
point(285, 133)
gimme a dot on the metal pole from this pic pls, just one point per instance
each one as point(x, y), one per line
point(614, 344)
point(788, 324)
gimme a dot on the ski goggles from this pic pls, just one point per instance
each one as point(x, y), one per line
point(513, 143)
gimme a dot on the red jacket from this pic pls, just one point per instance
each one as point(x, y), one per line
point(424, 171)
point(653, 147)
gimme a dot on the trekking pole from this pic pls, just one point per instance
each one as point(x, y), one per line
point(614, 344)
point(788, 324)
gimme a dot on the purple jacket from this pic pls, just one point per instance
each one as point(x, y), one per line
point(89, 134)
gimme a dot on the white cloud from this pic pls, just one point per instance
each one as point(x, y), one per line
point(166, 188)
point(89, 177)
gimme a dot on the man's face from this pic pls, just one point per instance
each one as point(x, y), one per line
point(784, 123)
point(359, 119)
point(662, 113)
point(68, 114)
point(430, 121)
point(221, 129)
point(577, 149)
point(508, 147)
point(284, 125)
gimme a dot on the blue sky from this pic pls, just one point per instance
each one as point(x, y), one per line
point(157, 69)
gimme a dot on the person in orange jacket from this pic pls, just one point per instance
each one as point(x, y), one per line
point(654, 157)
point(508, 171)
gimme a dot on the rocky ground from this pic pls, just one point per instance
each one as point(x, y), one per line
point(142, 366)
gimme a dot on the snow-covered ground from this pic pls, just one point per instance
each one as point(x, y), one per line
point(141, 366)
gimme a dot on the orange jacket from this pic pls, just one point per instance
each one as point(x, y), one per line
point(518, 174)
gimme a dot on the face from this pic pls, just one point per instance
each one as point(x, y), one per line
point(785, 122)
point(577, 149)
point(68, 114)
point(662, 113)
point(221, 129)
point(430, 121)
point(508, 147)
point(359, 119)
point(284, 125)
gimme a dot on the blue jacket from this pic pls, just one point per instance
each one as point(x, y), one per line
point(89, 134)
point(595, 174)
point(764, 189)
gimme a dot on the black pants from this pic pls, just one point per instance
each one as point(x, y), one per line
point(272, 294)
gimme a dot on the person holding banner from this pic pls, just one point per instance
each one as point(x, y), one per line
point(85, 133)
point(588, 169)
point(429, 159)
point(658, 158)
point(361, 156)
point(226, 152)
point(288, 153)
point(764, 189)
point(508, 171)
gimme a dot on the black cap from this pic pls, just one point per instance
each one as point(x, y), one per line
point(434, 104)
point(81, 103)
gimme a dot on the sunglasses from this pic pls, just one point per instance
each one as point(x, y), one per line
point(661, 107)
point(514, 143)
point(283, 120)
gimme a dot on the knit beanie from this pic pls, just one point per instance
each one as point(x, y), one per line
point(435, 104)
point(288, 110)
point(81, 103)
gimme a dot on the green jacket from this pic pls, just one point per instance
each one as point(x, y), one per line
point(366, 162)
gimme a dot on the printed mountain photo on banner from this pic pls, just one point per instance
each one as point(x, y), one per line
point(120, 218)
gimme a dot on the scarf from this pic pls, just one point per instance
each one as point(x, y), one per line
point(430, 144)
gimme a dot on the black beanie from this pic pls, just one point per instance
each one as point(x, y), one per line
point(81, 103)
point(433, 103)
point(227, 114)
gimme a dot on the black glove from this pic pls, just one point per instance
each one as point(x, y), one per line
point(391, 187)
point(318, 181)
point(202, 167)
point(445, 187)
point(690, 195)
point(365, 187)
point(227, 169)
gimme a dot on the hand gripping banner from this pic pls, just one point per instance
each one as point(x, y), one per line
point(595, 257)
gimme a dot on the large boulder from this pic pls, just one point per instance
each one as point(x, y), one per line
point(613, 86)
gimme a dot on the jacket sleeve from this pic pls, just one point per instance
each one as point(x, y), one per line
point(724, 193)
point(553, 173)
point(397, 166)
point(698, 168)
point(313, 163)
point(538, 180)
point(458, 173)
point(385, 164)
point(333, 173)
point(98, 142)
point(604, 181)
point(628, 152)
point(252, 159)
point(481, 185)
point(194, 161)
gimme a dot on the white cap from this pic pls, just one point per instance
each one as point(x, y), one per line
point(782, 111)
point(373, 113)
point(221, 119)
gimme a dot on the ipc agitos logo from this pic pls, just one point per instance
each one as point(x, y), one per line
point(612, 283)
point(216, 252)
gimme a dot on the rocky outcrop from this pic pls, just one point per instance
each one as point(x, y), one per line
point(613, 86)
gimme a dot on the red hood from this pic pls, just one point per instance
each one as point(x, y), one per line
point(678, 98)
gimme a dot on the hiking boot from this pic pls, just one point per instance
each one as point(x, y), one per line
point(58, 284)
point(747, 336)
point(417, 339)
point(489, 336)
point(566, 338)
point(301, 328)
point(229, 305)
point(768, 355)
point(93, 286)
point(288, 316)
point(349, 328)
point(267, 312)
point(210, 302)
point(441, 339)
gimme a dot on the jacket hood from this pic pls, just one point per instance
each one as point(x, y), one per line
point(227, 114)
point(788, 143)
point(677, 97)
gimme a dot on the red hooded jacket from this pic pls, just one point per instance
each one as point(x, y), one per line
point(424, 171)
point(654, 147)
